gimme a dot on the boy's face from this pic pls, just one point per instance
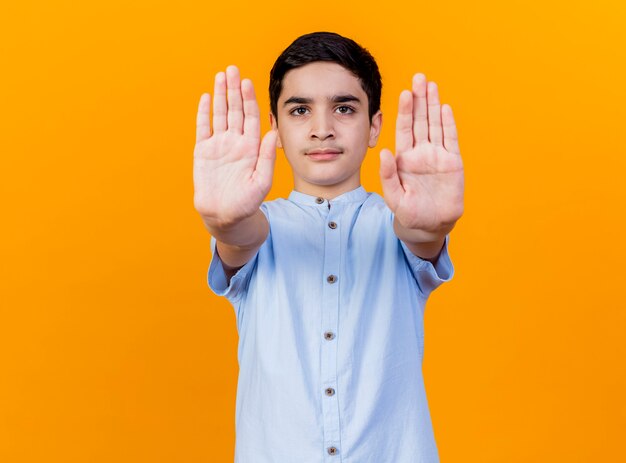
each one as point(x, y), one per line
point(324, 127)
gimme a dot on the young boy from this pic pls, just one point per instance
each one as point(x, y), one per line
point(328, 285)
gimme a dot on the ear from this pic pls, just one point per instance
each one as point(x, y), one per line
point(375, 126)
point(274, 124)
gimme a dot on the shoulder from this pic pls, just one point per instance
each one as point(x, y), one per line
point(284, 215)
point(376, 201)
point(275, 204)
point(374, 207)
point(276, 208)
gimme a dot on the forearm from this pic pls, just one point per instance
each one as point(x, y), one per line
point(425, 245)
point(237, 243)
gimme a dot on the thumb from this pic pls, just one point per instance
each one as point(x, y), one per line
point(267, 155)
point(392, 189)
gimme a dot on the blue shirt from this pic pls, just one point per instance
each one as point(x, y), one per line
point(331, 337)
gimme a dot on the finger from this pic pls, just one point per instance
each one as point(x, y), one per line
point(251, 120)
point(265, 164)
point(203, 119)
point(435, 133)
point(404, 123)
point(420, 109)
point(392, 188)
point(235, 104)
point(450, 137)
point(219, 103)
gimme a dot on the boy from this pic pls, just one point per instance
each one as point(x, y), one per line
point(329, 285)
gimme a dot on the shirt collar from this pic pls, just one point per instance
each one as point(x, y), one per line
point(357, 195)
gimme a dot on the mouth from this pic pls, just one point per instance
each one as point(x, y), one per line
point(323, 154)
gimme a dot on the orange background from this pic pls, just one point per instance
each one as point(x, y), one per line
point(112, 347)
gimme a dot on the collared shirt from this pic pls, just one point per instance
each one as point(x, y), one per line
point(331, 337)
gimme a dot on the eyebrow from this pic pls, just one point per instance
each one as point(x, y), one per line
point(344, 98)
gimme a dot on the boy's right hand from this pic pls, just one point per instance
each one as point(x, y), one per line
point(232, 168)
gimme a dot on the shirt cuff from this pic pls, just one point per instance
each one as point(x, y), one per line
point(216, 277)
point(428, 275)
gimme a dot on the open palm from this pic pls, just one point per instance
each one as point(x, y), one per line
point(424, 183)
point(232, 169)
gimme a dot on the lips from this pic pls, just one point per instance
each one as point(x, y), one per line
point(323, 154)
point(324, 151)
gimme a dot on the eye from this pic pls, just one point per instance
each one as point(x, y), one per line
point(299, 111)
point(345, 109)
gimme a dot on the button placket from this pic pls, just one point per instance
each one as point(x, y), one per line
point(330, 320)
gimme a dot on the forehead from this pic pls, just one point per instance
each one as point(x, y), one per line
point(322, 80)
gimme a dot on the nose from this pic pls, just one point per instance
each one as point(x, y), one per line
point(322, 127)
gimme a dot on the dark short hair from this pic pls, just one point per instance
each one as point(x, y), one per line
point(328, 46)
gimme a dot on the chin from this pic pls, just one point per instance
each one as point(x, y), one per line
point(326, 181)
point(323, 178)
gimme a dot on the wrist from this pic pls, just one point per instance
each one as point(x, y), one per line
point(242, 233)
point(420, 236)
point(227, 221)
point(218, 225)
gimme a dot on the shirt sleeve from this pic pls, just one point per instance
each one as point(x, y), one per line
point(428, 275)
point(217, 278)
point(239, 282)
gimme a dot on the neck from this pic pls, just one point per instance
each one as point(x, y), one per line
point(326, 191)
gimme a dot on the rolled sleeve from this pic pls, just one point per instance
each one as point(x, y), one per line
point(429, 276)
point(217, 278)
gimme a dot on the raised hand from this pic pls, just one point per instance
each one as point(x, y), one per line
point(232, 169)
point(424, 183)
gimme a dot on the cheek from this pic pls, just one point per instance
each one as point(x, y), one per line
point(288, 144)
point(285, 133)
point(285, 136)
point(364, 137)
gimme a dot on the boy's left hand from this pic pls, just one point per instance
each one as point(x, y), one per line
point(423, 184)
